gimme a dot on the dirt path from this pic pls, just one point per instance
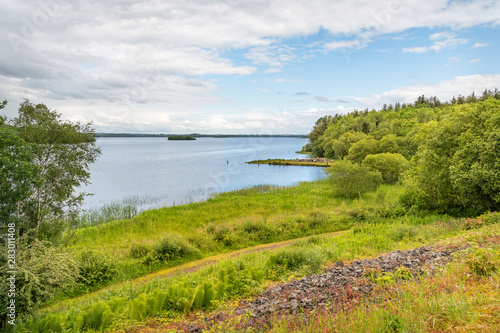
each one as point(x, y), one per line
point(196, 265)
point(189, 267)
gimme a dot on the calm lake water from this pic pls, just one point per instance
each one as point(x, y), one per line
point(167, 173)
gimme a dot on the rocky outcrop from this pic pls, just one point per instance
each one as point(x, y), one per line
point(339, 286)
point(341, 282)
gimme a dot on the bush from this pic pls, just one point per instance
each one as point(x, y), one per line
point(172, 247)
point(361, 149)
point(390, 165)
point(483, 261)
point(95, 269)
point(300, 259)
point(471, 223)
point(490, 218)
point(42, 272)
point(258, 230)
point(351, 180)
point(139, 251)
point(225, 235)
point(404, 231)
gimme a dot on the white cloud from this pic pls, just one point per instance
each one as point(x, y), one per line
point(285, 81)
point(445, 90)
point(474, 60)
point(441, 41)
point(345, 44)
point(133, 64)
point(416, 49)
point(477, 45)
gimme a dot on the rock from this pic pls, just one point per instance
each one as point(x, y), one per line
point(342, 283)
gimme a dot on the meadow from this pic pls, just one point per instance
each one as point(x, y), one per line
point(154, 240)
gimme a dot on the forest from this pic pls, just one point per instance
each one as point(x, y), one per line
point(446, 154)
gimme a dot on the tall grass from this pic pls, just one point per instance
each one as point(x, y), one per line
point(246, 275)
point(453, 300)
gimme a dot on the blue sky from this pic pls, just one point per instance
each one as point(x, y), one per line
point(240, 66)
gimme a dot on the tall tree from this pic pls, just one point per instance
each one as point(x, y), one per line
point(18, 175)
point(62, 151)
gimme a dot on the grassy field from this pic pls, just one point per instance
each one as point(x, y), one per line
point(230, 221)
point(374, 224)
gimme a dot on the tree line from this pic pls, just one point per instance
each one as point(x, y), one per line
point(445, 154)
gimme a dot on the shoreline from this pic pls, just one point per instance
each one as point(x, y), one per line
point(314, 162)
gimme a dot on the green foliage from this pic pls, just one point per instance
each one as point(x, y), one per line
point(361, 149)
point(490, 218)
point(320, 127)
point(181, 137)
point(403, 273)
point(351, 180)
point(471, 223)
point(42, 272)
point(339, 148)
point(259, 230)
point(172, 247)
point(456, 165)
point(389, 144)
point(483, 261)
point(138, 251)
point(62, 152)
point(390, 165)
point(95, 269)
point(18, 175)
point(475, 165)
point(301, 260)
point(403, 232)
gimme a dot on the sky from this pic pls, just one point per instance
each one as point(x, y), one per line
point(240, 66)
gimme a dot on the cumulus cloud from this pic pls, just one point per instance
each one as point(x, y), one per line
point(445, 90)
point(133, 64)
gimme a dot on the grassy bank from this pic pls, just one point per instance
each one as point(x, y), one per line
point(165, 302)
point(299, 162)
point(166, 237)
point(229, 221)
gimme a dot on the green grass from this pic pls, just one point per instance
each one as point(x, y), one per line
point(455, 299)
point(228, 222)
point(246, 275)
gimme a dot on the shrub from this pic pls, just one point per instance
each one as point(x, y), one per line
point(490, 218)
point(303, 260)
point(225, 235)
point(42, 272)
point(351, 180)
point(258, 230)
point(95, 269)
point(172, 247)
point(404, 231)
point(483, 261)
point(139, 250)
point(390, 165)
point(471, 223)
point(361, 149)
point(403, 273)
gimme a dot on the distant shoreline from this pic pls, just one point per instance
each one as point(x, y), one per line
point(196, 135)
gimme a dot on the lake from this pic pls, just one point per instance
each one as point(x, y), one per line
point(166, 173)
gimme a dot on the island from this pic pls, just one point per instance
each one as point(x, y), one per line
point(181, 137)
